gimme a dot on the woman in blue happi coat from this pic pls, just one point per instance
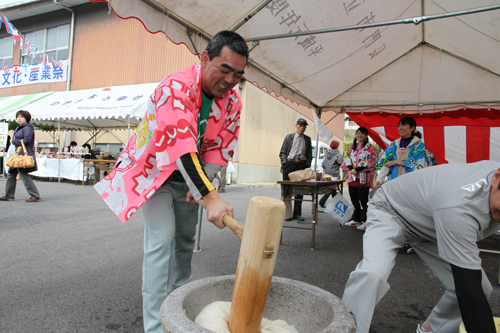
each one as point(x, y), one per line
point(404, 155)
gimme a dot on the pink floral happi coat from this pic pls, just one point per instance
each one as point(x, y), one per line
point(168, 131)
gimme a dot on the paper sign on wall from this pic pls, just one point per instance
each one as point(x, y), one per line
point(4, 129)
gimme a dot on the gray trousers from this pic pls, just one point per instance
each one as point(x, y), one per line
point(10, 186)
point(366, 286)
point(222, 178)
point(168, 248)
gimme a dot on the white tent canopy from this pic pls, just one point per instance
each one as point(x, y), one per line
point(110, 107)
point(450, 60)
point(14, 103)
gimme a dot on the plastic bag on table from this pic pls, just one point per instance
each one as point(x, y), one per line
point(339, 208)
point(301, 175)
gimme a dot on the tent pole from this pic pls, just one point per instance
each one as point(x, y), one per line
point(252, 14)
point(414, 20)
point(347, 107)
point(59, 150)
point(128, 128)
point(317, 153)
point(198, 230)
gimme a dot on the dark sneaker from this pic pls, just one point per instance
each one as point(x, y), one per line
point(5, 199)
point(298, 218)
point(33, 199)
point(406, 249)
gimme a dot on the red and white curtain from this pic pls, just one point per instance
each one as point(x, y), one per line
point(461, 136)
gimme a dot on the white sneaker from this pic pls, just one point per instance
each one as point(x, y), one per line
point(362, 226)
point(352, 223)
point(421, 330)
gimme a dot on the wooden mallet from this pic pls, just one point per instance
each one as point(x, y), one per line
point(259, 248)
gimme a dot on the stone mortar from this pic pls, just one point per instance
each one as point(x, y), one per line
point(308, 308)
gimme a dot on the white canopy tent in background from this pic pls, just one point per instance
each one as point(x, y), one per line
point(119, 107)
point(355, 56)
point(109, 108)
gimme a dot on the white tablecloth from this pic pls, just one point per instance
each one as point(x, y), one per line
point(70, 168)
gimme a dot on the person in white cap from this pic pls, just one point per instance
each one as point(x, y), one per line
point(295, 154)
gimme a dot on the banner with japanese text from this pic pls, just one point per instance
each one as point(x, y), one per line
point(20, 75)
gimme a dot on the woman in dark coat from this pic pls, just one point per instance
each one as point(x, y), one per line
point(26, 133)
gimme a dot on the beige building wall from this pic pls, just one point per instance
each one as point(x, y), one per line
point(265, 121)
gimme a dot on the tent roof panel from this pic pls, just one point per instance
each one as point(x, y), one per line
point(424, 75)
point(472, 37)
point(317, 68)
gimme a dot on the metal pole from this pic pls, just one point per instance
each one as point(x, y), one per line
point(414, 20)
point(198, 230)
point(252, 14)
point(317, 152)
point(457, 104)
point(59, 149)
point(128, 128)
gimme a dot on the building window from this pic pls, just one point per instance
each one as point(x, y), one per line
point(6, 51)
point(52, 41)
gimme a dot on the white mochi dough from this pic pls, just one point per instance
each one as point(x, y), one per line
point(215, 317)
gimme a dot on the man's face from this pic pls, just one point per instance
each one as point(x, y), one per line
point(495, 197)
point(222, 73)
point(301, 128)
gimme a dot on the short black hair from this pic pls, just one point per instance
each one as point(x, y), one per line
point(73, 143)
point(364, 131)
point(408, 121)
point(25, 114)
point(413, 123)
point(230, 39)
point(86, 145)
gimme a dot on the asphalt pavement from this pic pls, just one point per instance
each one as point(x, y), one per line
point(67, 264)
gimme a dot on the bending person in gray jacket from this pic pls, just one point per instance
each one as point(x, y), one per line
point(442, 212)
point(331, 166)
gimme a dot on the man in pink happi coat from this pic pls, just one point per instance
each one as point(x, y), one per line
point(189, 131)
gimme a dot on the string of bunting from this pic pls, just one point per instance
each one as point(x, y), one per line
point(32, 50)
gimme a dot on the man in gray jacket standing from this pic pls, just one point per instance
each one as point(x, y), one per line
point(442, 211)
point(295, 154)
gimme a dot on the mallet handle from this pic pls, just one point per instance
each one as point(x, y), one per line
point(231, 223)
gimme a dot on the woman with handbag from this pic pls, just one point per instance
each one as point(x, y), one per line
point(24, 141)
